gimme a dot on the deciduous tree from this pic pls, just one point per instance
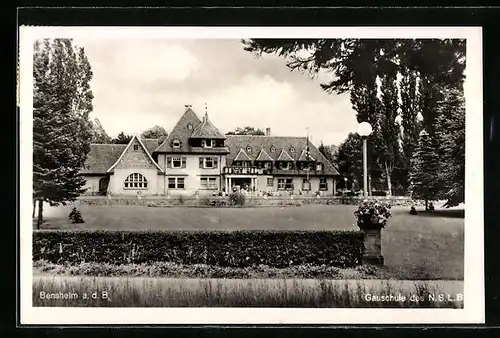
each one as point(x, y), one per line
point(62, 101)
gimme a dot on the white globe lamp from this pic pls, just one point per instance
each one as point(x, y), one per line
point(364, 129)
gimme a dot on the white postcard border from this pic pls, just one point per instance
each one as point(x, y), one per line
point(473, 311)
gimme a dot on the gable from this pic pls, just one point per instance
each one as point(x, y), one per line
point(284, 156)
point(181, 132)
point(242, 156)
point(135, 156)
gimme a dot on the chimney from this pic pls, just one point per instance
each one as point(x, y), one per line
point(187, 106)
point(268, 131)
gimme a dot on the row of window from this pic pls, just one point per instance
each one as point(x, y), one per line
point(138, 181)
point(204, 143)
point(204, 162)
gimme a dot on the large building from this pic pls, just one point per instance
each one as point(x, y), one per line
point(196, 158)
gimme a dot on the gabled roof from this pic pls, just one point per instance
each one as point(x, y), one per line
point(242, 156)
point(284, 156)
point(279, 143)
point(304, 157)
point(101, 157)
point(125, 151)
point(181, 132)
point(150, 143)
point(207, 130)
point(263, 156)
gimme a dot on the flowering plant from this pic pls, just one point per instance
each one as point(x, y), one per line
point(373, 214)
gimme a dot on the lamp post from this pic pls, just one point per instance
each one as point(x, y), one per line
point(364, 130)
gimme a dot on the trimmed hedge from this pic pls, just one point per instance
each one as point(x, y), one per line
point(221, 248)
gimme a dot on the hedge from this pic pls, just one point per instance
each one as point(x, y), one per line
point(222, 248)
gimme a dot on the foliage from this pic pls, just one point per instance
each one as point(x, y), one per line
point(451, 137)
point(99, 135)
point(76, 216)
point(62, 101)
point(237, 198)
point(328, 152)
point(222, 248)
point(424, 179)
point(122, 138)
point(246, 131)
point(372, 214)
point(156, 132)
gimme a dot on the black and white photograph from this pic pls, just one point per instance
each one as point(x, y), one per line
point(257, 175)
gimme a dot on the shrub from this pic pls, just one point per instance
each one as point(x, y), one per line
point(372, 214)
point(413, 211)
point(222, 248)
point(75, 216)
point(237, 198)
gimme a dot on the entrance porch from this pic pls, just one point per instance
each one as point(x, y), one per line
point(240, 181)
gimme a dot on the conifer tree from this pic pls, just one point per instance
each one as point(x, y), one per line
point(450, 132)
point(424, 180)
point(99, 135)
point(62, 101)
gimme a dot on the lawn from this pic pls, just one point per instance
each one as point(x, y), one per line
point(425, 246)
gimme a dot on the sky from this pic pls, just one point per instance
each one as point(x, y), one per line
point(140, 83)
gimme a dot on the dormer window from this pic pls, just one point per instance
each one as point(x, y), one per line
point(273, 149)
point(176, 144)
point(207, 143)
point(136, 147)
point(249, 149)
point(190, 126)
point(292, 149)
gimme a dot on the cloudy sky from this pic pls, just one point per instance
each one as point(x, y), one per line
point(141, 83)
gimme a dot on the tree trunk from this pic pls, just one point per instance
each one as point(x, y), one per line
point(426, 204)
point(40, 214)
point(388, 175)
point(34, 208)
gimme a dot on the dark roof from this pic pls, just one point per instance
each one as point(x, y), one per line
point(181, 132)
point(150, 143)
point(101, 157)
point(304, 157)
point(207, 130)
point(257, 142)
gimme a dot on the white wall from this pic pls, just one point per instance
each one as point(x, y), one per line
point(116, 182)
point(92, 183)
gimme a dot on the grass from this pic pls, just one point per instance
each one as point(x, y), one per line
point(424, 246)
point(167, 292)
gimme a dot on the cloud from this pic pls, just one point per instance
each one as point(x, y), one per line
point(141, 83)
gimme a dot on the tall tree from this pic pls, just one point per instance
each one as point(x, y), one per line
point(99, 135)
point(424, 180)
point(388, 128)
point(450, 134)
point(410, 123)
point(122, 138)
point(327, 151)
point(246, 131)
point(62, 101)
point(156, 132)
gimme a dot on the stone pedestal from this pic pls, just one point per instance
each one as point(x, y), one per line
point(373, 247)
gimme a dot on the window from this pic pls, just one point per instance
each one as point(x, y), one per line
point(270, 181)
point(273, 149)
point(176, 144)
point(306, 184)
point(285, 183)
point(323, 184)
point(190, 126)
point(176, 162)
point(208, 162)
point(209, 183)
point(292, 149)
point(286, 165)
point(176, 182)
point(249, 149)
point(136, 181)
point(319, 167)
point(208, 143)
point(136, 147)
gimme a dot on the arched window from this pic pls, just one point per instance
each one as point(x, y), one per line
point(136, 181)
